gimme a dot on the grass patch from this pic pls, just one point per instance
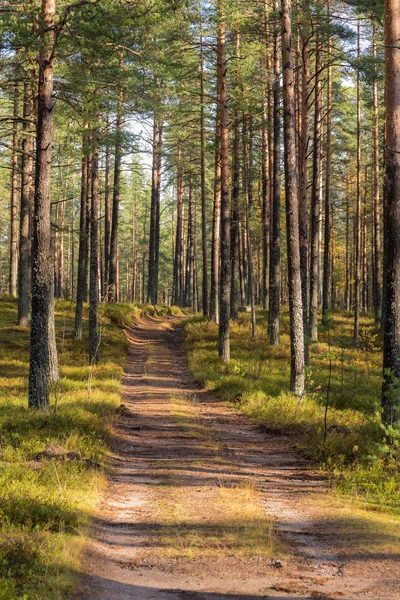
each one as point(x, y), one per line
point(46, 503)
point(256, 381)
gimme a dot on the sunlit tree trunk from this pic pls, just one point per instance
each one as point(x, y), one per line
point(83, 244)
point(391, 328)
point(107, 221)
point(204, 286)
point(113, 266)
point(216, 225)
point(357, 241)
point(275, 251)
point(377, 294)
point(315, 198)
point(94, 255)
point(292, 215)
point(328, 166)
point(42, 272)
point(13, 231)
point(26, 208)
point(225, 241)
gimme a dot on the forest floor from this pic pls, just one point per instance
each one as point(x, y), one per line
point(203, 503)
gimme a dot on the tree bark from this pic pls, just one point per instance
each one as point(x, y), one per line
point(328, 166)
point(225, 242)
point(113, 266)
point(304, 143)
point(154, 241)
point(292, 214)
point(315, 199)
point(204, 286)
point(107, 222)
point(377, 293)
point(275, 250)
point(42, 272)
point(357, 241)
point(94, 256)
point(177, 290)
point(391, 328)
point(13, 235)
point(83, 244)
point(26, 207)
point(235, 238)
point(216, 225)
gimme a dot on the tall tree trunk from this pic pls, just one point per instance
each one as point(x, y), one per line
point(265, 211)
point(177, 290)
point(315, 198)
point(94, 256)
point(189, 279)
point(113, 267)
point(216, 230)
point(357, 241)
point(377, 294)
point(328, 166)
point(134, 250)
point(292, 215)
point(391, 329)
point(154, 241)
point(275, 250)
point(204, 286)
point(26, 208)
point(347, 258)
point(107, 222)
point(13, 235)
point(83, 244)
point(225, 247)
point(304, 143)
point(248, 183)
point(235, 239)
point(42, 272)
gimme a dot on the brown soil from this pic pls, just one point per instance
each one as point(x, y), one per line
point(158, 454)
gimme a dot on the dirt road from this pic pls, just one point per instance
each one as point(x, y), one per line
point(203, 504)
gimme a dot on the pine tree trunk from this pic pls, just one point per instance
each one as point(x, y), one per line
point(177, 290)
point(377, 294)
point(13, 234)
point(225, 241)
point(83, 245)
point(391, 328)
point(265, 212)
point(292, 215)
point(26, 208)
point(113, 266)
point(357, 241)
point(94, 257)
point(304, 143)
point(189, 252)
point(107, 222)
point(315, 200)
point(152, 289)
point(275, 250)
point(42, 272)
point(203, 187)
point(248, 185)
point(235, 239)
point(328, 166)
point(216, 225)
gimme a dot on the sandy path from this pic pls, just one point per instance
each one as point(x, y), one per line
point(154, 454)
